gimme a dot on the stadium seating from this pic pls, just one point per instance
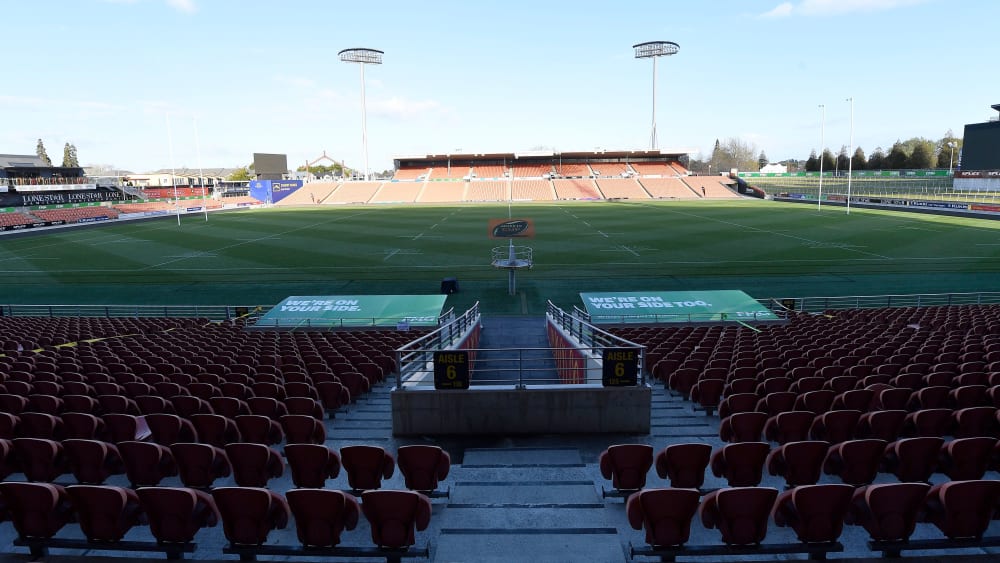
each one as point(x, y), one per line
point(626, 466)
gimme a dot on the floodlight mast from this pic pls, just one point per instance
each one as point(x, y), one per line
point(654, 50)
point(362, 56)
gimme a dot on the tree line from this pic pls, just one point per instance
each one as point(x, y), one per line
point(70, 158)
point(913, 153)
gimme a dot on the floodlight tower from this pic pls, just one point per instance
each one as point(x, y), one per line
point(362, 56)
point(654, 50)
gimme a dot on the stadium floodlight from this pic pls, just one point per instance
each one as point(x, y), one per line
point(654, 50)
point(362, 56)
point(822, 142)
point(850, 157)
point(951, 163)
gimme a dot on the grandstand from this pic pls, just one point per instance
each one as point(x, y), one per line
point(313, 192)
point(667, 188)
point(487, 190)
point(532, 190)
point(710, 186)
point(621, 188)
point(397, 192)
point(576, 189)
point(353, 192)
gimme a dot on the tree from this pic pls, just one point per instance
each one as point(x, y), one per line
point(920, 158)
point(812, 163)
point(762, 160)
point(67, 156)
point(74, 160)
point(929, 148)
point(947, 155)
point(842, 159)
point(40, 151)
point(828, 161)
point(858, 161)
point(897, 157)
point(877, 160)
point(241, 175)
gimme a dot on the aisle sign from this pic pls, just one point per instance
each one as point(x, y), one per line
point(451, 369)
point(621, 367)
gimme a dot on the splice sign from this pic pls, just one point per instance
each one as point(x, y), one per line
point(308, 305)
point(640, 302)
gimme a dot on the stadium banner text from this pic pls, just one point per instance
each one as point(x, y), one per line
point(674, 307)
point(354, 311)
point(511, 228)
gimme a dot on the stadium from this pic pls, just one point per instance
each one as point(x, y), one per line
point(502, 356)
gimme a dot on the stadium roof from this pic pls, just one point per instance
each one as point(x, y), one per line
point(22, 161)
point(596, 154)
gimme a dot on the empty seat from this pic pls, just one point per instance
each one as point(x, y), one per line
point(707, 393)
point(105, 513)
point(126, 427)
point(888, 511)
point(815, 512)
point(92, 461)
point(259, 429)
point(216, 429)
point(971, 422)
point(40, 459)
point(815, 401)
point(321, 515)
point(792, 426)
point(881, 425)
point(736, 403)
point(739, 513)
point(229, 406)
point(966, 459)
point(777, 403)
point(834, 426)
point(176, 514)
point(187, 406)
point(305, 406)
point(961, 509)
point(39, 425)
point(249, 514)
point(625, 464)
point(333, 395)
point(169, 429)
point(856, 462)
point(423, 466)
point(38, 510)
point(743, 427)
point(855, 399)
point(935, 397)
point(254, 464)
point(968, 396)
point(199, 465)
point(665, 514)
point(395, 516)
point(741, 464)
point(303, 429)
point(312, 464)
point(927, 422)
point(8, 425)
point(83, 426)
point(800, 463)
point(146, 463)
point(366, 466)
point(684, 464)
point(912, 459)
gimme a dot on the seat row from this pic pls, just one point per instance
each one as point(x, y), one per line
point(175, 515)
point(961, 510)
point(855, 462)
point(146, 464)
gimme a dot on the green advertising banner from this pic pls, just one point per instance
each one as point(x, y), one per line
point(674, 307)
point(355, 311)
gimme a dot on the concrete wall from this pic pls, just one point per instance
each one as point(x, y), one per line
point(504, 410)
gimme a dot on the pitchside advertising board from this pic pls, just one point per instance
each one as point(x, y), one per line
point(355, 310)
point(674, 307)
point(273, 191)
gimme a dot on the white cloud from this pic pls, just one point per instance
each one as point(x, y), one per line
point(835, 7)
point(186, 6)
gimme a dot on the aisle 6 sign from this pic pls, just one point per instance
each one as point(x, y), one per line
point(451, 369)
point(621, 367)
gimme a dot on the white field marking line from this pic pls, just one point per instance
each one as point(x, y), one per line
point(391, 254)
point(602, 234)
point(234, 245)
point(758, 229)
point(195, 255)
point(988, 244)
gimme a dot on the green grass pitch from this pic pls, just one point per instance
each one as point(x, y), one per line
point(259, 257)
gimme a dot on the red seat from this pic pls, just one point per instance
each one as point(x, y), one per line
point(737, 403)
point(665, 514)
point(971, 422)
point(800, 463)
point(176, 514)
point(249, 514)
point(229, 406)
point(118, 404)
point(856, 462)
point(8, 425)
point(816, 401)
point(395, 516)
point(739, 513)
point(8, 464)
point(216, 429)
point(889, 511)
point(187, 406)
point(267, 406)
point(254, 464)
point(777, 403)
point(895, 398)
point(965, 459)
point(305, 406)
point(199, 465)
point(927, 422)
point(40, 425)
point(912, 459)
point(625, 464)
point(154, 404)
point(83, 426)
point(40, 459)
point(333, 395)
point(684, 464)
point(321, 515)
point(969, 396)
point(423, 466)
point(834, 426)
point(169, 429)
point(815, 512)
point(366, 466)
point(961, 509)
point(126, 427)
point(38, 510)
point(47, 404)
point(357, 384)
point(303, 429)
point(146, 463)
point(882, 425)
point(741, 464)
point(742, 427)
point(312, 464)
point(707, 393)
point(855, 399)
point(792, 426)
point(259, 429)
point(92, 461)
point(105, 513)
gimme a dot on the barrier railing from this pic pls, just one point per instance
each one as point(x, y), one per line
point(414, 357)
point(211, 312)
point(592, 340)
point(818, 304)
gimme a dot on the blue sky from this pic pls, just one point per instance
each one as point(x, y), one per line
point(263, 76)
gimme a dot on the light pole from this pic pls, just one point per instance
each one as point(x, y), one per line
point(363, 56)
point(822, 142)
point(850, 157)
point(654, 50)
point(951, 163)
